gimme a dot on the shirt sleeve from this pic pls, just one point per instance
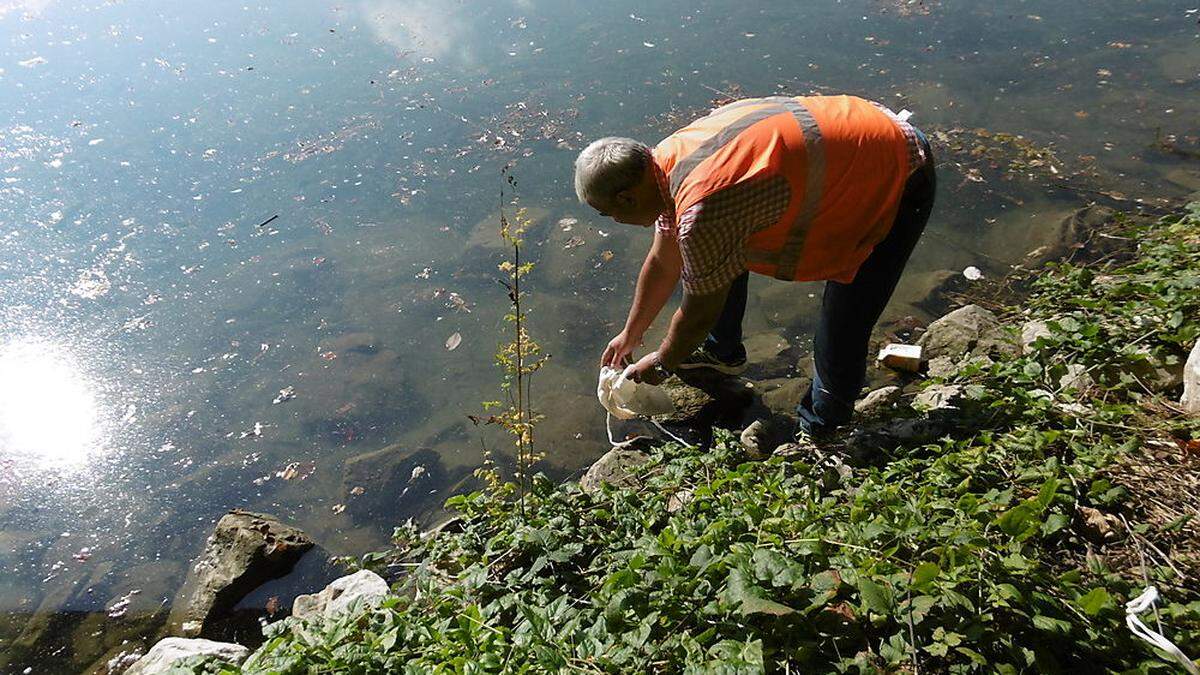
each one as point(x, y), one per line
point(713, 248)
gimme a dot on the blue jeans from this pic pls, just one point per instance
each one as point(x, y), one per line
point(848, 311)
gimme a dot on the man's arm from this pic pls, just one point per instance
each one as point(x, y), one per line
point(690, 325)
point(660, 272)
point(657, 280)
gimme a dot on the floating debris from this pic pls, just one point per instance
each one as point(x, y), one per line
point(285, 394)
point(972, 273)
point(453, 342)
point(256, 432)
point(120, 606)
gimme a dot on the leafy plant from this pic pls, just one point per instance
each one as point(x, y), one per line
point(519, 359)
point(963, 555)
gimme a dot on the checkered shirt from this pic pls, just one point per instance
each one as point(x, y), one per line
point(712, 233)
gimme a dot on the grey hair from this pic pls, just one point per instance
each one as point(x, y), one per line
point(608, 166)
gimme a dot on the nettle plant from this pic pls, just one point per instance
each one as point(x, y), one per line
point(518, 358)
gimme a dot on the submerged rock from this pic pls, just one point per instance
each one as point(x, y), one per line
point(364, 586)
point(245, 550)
point(615, 468)
point(1074, 232)
point(163, 655)
point(968, 334)
point(376, 483)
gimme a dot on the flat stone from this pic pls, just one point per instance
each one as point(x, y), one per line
point(938, 397)
point(782, 395)
point(689, 401)
point(1157, 375)
point(968, 334)
point(364, 587)
point(765, 346)
point(754, 438)
point(614, 468)
point(245, 550)
point(679, 500)
point(878, 402)
point(1097, 526)
point(1076, 378)
point(163, 655)
point(1031, 331)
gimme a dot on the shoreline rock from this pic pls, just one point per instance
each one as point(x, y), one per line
point(244, 551)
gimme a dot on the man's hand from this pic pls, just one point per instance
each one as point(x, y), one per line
point(616, 355)
point(647, 370)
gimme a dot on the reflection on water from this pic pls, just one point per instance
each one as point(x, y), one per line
point(48, 409)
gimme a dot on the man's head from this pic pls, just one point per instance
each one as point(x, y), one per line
point(613, 175)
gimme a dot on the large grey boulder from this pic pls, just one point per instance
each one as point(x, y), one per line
point(163, 655)
point(244, 551)
point(615, 468)
point(969, 334)
point(363, 586)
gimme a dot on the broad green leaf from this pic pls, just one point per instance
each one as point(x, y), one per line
point(1094, 601)
point(925, 573)
point(876, 597)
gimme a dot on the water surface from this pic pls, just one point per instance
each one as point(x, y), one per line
point(151, 311)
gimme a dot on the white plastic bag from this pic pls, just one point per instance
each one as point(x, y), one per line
point(1191, 382)
point(625, 399)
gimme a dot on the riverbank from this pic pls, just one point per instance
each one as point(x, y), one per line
point(997, 512)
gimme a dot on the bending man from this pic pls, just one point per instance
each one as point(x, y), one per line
point(832, 188)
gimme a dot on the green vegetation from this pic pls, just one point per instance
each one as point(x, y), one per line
point(967, 554)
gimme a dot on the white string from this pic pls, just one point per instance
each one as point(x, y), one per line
point(1140, 604)
point(626, 442)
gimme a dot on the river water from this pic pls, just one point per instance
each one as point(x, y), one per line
point(203, 204)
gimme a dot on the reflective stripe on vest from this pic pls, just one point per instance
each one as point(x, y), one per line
point(785, 260)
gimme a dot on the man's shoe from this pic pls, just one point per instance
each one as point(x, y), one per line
point(702, 358)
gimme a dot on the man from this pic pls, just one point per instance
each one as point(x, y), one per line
point(832, 188)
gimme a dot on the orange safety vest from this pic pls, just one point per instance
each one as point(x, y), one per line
point(845, 162)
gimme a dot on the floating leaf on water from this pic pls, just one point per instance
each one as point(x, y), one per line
point(648, 44)
point(573, 242)
point(972, 273)
point(567, 223)
point(338, 508)
point(285, 394)
point(453, 342)
point(606, 256)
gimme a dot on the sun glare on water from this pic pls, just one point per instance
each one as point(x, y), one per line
point(48, 409)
